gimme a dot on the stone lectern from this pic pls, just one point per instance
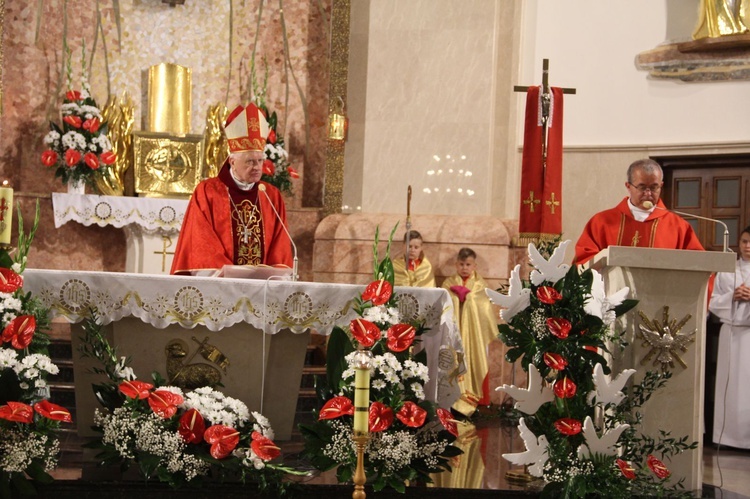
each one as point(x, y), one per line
point(671, 286)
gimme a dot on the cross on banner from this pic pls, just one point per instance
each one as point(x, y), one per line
point(541, 171)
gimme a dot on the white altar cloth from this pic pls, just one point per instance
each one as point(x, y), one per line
point(270, 306)
point(151, 215)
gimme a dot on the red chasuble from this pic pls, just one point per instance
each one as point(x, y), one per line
point(213, 230)
point(617, 227)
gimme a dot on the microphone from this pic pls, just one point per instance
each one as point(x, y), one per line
point(295, 264)
point(648, 205)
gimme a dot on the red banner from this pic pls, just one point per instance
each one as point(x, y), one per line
point(541, 185)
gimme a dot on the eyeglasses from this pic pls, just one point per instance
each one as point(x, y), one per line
point(643, 188)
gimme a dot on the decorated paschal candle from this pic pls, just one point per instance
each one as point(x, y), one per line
point(6, 211)
point(362, 362)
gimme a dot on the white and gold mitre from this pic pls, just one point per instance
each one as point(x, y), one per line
point(246, 129)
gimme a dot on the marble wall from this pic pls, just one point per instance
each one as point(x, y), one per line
point(216, 43)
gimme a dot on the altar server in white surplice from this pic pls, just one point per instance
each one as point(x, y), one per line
point(730, 301)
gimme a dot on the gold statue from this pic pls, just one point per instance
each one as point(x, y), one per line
point(721, 18)
point(119, 116)
point(217, 149)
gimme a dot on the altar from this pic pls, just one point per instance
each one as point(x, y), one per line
point(173, 322)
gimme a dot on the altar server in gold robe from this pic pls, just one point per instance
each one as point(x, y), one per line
point(476, 321)
point(419, 273)
point(235, 218)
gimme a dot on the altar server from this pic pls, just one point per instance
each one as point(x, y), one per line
point(730, 301)
point(419, 273)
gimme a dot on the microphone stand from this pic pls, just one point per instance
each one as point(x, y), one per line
point(295, 261)
point(726, 229)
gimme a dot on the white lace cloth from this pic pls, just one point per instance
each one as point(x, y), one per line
point(161, 215)
point(270, 306)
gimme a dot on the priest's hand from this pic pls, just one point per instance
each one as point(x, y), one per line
point(742, 293)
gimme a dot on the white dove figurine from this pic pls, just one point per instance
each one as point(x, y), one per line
point(529, 400)
point(608, 391)
point(606, 445)
point(536, 450)
point(598, 304)
point(551, 270)
point(517, 299)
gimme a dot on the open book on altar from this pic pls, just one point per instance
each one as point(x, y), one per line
point(276, 272)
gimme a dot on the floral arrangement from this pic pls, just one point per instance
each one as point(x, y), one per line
point(174, 436)
point(29, 447)
point(410, 437)
point(80, 149)
point(577, 420)
point(277, 170)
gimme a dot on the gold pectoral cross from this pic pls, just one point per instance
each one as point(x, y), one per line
point(166, 243)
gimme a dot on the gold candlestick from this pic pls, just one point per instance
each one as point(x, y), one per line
point(359, 473)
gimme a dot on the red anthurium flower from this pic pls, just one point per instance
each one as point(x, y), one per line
point(53, 411)
point(400, 337)
point(559, 327)
point(92, 125)
point(378, 292)
point(49, 158)
point(19, 331)
point(135, 389)
point(411, 415)
point(336, 407)
point(72, 157)
point(17, 411)
point(380, 418)
point(268, 167)
point(446, 418)
point(164, 403)
point(555, 361)
point(91, 160)
point(627, 471)
point(223, 440)
point(658, 467)
point(72, 95)
point(548, 295)
point(9, 280)
point(564, 388)
point(364, 332)
point(271, 137)
point(292, 172)
point(264, 447)
point(108, 157)
point(192, 427)
point(568, 426)
point(73, 121)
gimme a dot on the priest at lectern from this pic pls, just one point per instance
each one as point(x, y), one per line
point(641, 219)
point(235, 218)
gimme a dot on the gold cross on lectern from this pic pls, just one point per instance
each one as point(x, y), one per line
point(166, 242)
point(551, 202)
point(546, 99)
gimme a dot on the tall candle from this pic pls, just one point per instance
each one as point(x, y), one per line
point(6, 212)
point(362, 391)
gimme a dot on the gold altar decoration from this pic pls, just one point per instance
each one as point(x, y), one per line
point(216, 147)
point(665, 338)
point(722, 18)
point(119, 114)
point(168, 161)
point(166, 165)
point(181, 372)
point(169, 98)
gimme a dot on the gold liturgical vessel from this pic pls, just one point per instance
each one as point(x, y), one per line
point(168, 159)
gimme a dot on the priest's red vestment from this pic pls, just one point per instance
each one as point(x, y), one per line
point(206, 239)
point(618, 227)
